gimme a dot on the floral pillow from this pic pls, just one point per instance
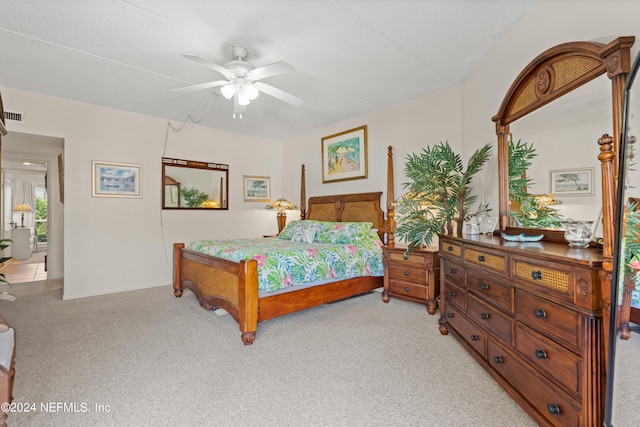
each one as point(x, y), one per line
point(342, 232)
point(305, 231)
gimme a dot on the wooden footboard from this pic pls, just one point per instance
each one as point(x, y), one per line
point(219, 283)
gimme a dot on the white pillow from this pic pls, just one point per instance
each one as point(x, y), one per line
point(304, 232)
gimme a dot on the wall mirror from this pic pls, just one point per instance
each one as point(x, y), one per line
point(188, 184)
point(622, 388)
point(562, 103)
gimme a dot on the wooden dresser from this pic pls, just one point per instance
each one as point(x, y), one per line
point(413, 276)
point(529, 313)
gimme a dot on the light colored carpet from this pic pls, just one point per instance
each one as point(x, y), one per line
point(156, 360)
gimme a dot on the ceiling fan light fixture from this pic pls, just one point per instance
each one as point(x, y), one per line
point(243, 99)
point(251, 91)
point(229, 90)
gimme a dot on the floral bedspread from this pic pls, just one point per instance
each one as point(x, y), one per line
point(284, 263)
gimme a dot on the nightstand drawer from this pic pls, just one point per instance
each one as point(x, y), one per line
point(491, 290)
point(413, 259)
point(547, 316)
point(400, 272)
point(475, 336)
point(408, 289)
point(489, 318)
point(548, 356)
point(493, 261)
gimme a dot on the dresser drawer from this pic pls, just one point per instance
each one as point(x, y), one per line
point(408, 289)
point(475, 336)
point(454, 273)
point(556, 277)
point(456, 296)
point(493, 261)
point(489, 318)
point(490, 290)
point(552, 403)
point(450, 248)
point(548, 356)
point(548, 316)
point(401, 272)
point(427, 260)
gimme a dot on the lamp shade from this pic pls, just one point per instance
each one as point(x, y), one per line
point(281, 205)
point(23, 207)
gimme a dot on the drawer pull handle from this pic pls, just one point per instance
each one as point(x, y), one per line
point(450, 248)
point(484, 316)
point(474, 338)
point(484, 287)
point(536, 275)
point(452, 293)
point(497, 359)
point(481, 258)
point(541, 354)
point(540, 314)
point(406, 289)
point(449, 315)
point(406, 273)
point(553, 409)
point(452, 270)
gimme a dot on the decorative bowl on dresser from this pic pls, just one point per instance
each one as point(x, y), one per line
point(412, 275)
point(529, 313)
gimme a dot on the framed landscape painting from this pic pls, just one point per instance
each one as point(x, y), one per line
point(344, 155)
point(256, 188)
point(572, 182)
point(116, 179)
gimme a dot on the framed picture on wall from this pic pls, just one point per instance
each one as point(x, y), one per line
point(572, 182)
point(344, 155)
point(256, 188)
point(116, 179)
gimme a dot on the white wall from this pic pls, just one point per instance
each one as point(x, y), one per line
point(120, 244)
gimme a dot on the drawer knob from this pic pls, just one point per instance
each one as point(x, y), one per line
point(449, 315)
point(406, 289)
point(450, 248)
point(406, 273)
point(497, 359)
point(452, 270)
point(484, 287)
point(481, 258)
point(474, 338)
point(541, 354)
point(452, 293)
point(536, 275)
point(484, 316)
point(540, 314)
point(405, 257)
point(553, 409)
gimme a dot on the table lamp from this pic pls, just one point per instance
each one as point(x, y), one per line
point(281, 205)
point(22, 208)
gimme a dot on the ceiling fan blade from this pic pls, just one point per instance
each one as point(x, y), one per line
point(201, 86)
point(228, 74)
point(278, 93)
point(269, 70)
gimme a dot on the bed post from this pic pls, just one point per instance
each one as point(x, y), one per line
point(303, 194)
point(177, 280)
point(390, 223)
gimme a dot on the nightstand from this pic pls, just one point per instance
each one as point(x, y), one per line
point(413, 276)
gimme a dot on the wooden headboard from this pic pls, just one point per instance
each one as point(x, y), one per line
point(360, 207)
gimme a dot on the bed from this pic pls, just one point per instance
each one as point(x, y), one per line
point(233, 285)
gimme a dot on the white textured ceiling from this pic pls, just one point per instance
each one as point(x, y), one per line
point(350, 56)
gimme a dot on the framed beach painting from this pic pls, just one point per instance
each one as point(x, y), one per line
point(116, 179)
point(572, 182)
point(256, 188)
point(344, 155)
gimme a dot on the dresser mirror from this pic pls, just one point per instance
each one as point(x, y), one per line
point(622, 388)
point(188, 184)
point(557, 93)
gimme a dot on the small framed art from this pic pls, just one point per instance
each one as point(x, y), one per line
point(344, 155)
point(256, 188)
point(572, 182)
point(116, 179)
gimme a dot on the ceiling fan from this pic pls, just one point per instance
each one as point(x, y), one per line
point(242, 81)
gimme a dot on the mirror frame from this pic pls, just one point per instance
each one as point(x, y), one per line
point(618, 250)
point(191, 164)
point(552, 74)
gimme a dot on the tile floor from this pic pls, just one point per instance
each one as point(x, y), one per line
point(26, 270)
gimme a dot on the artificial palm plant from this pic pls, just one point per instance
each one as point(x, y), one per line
point(437, 194)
